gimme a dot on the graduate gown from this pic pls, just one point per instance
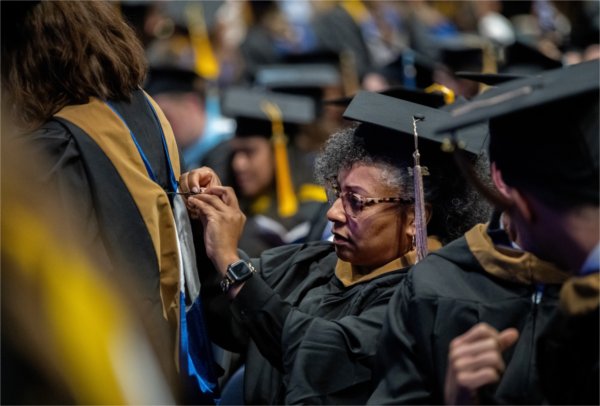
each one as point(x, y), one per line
point(308, 336)
point(468, 281)
point(568, 350)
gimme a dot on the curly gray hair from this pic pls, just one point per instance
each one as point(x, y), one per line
point(456, 205)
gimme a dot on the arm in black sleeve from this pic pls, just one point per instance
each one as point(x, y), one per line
point(402, 363)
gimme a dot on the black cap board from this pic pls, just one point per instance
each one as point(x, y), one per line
point(397, 115)
point(172, 80)
point(491, 79)
point(418, 96)
point(245, 105)
point(524, 58)
point(461, 52)
point(543, 131)
point(297, 75)
point(528, 92)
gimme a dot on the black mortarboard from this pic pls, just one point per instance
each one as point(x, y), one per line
point(461, 52)
point(410, 68)
point(395, 114)
point(172, 80)
point(525, 59)
point(543, 130)
point(304, 79)
point(245, 106)
point(491, 79)
point(418, 96)
point(297, 75)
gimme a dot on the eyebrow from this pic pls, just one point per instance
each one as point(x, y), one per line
point(357, 189)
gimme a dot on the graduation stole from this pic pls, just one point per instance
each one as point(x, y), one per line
point(171, 239)
point(111, 134)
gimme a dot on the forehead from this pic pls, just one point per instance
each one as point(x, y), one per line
point(249, 142)
point(370, 179)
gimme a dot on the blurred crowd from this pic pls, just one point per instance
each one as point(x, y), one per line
point(115, 232)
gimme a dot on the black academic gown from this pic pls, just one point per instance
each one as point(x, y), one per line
point(307, 338)
point(445, 295)
point(568, 350)
point(98, 198)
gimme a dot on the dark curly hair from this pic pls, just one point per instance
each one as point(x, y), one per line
point(456, 206)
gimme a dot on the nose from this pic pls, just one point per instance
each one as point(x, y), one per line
point(336, 212)
point(239, 162)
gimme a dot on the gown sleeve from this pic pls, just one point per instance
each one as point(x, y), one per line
point(400, 375)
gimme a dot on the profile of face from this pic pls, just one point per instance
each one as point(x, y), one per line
point(371, 225)
point(185, 112)
point(252, 164)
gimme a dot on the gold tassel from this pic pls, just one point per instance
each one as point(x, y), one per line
point(420, 216)
point(287, 203)
point(205, 62)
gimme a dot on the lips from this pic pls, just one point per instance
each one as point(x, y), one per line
point(338, 239)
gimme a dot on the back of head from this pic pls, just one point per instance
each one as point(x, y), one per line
point(58, 53)
point(543, 133)
point(551, 150)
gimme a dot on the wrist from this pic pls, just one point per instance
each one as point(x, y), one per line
point(224, 261)
point(237, 274)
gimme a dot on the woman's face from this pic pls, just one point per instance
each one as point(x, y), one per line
point(252, 165)
point(376, 234)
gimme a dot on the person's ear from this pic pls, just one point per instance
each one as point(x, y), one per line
point(521, 204)
point(409, 217)
point(410, 228)
point(498, 180)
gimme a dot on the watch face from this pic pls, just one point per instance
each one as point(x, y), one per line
point(239, 270)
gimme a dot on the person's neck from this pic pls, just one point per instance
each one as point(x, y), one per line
point(579, 236)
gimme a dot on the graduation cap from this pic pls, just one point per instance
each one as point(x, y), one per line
point(418, 96)
point(271, 115)
point(172, 80)
point(413, 125)
point(305, 79)
point(298, 75)
point(462, 52)
point(543, 130)
point(397, 115)
point(491, 79)
point(410, 69)
point(526, 59)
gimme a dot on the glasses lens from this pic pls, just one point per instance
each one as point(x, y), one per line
point(353, 204)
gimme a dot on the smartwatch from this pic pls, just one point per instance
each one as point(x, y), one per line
point(237, 272)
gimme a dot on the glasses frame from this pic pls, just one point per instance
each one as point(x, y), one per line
point(363, 201)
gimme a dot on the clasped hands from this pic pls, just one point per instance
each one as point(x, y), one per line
point(216, 206)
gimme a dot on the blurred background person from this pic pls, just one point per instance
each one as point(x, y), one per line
point(271, 175)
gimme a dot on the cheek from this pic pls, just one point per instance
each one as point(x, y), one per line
point(376, 233)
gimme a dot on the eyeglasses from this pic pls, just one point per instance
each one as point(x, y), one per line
point(353, 203)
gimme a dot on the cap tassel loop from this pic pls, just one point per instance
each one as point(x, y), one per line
point(420, 215)
point(287, 203)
